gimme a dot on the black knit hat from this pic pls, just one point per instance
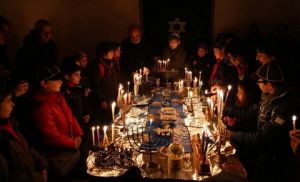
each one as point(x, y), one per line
point(48, 72)
point(270, 72)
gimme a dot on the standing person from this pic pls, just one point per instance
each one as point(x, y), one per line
point(222, 74)
point(38, 48)
point(202, 62)
point(237, 55)
point(58, 130)
point(276, 161)
point(136, 51)
point(176, 54)
point(18, 161)
point(103, 83)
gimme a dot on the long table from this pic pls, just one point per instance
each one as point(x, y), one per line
point(185, 128)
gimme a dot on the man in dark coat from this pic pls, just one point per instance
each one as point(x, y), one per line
point(38, 48)
point(136, 51)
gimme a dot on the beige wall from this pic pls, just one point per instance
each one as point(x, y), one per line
point(236, 15)
point(77, 24)
point(80, 24)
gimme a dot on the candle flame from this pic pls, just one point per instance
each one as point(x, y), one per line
point(113, 105)
point(105, 128)
point(98, 127)
point(294, 118)
point(93, 128)
point(229, 87)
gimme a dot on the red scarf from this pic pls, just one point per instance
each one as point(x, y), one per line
point(214, 72)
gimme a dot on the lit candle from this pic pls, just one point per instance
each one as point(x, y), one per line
point(151, 120)
point(140, 71)
point(113, 105)
point(294, 118)
point(195, 82)
point(190, 94)
point(206, 92)
point(168, 60)
point(93, 136)
point(105, 139)
point(125, 99)
point(221, 102)
point(228, 90)
point(112, 133)
point(98, 135)
point(159, 64)
point(128, 84)
point(129, 97)
point(199, 76)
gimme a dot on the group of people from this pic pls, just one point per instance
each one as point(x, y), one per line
point(53, 105)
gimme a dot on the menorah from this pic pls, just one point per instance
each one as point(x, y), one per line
point(146, 140)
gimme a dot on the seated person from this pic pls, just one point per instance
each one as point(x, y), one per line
point(243, 115)
point(58, 130)
point(18, 161)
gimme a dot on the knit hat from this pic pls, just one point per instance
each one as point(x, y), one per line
point(175, 36)
point(270, 72)
point(48, 72)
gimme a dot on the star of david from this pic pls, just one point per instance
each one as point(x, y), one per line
point(176, 26)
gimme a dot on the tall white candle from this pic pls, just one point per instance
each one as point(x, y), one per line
point(228, 90)
point(294, 118)
point(93, 136)
point(113, 105)
point(125, 99)
point(105, 139)
point(195, 82)
point(128, 88)
point(129, 97)
point(199, 76)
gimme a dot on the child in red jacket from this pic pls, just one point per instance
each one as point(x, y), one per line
point(59, 130)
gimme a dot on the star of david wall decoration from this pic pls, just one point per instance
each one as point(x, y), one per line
point(176, 26)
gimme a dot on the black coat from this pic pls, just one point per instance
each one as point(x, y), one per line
point(225, 75)
point(19, 163)
point(135, 56)
point(76, 99)
point(246, 117)
point(178, 59)
point(104, 83)
point(276, 160)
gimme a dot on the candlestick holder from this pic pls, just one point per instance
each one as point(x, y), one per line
point(145, 140)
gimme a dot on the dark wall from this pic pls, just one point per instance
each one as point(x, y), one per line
point(77, 24)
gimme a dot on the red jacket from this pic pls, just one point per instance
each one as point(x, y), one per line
point(55, 122)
